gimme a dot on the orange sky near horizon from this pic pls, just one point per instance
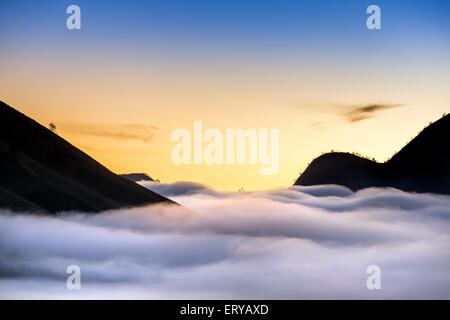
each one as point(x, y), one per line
point(158, 103)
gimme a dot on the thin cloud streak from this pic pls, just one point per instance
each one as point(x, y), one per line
point(121, 132)
point(360, 113)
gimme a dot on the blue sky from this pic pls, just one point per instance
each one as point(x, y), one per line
point(242, 26)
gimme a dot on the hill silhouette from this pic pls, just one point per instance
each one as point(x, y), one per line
point(40, 171)
point(137, 177)
point(423, 165)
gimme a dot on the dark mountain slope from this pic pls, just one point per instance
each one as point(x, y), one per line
point(40, 170)
point(423, 165)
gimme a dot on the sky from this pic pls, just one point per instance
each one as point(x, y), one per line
point(138, 70)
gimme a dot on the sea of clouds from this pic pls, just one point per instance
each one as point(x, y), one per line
point(294, 243)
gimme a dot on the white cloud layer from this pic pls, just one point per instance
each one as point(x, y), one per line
point(296, 243)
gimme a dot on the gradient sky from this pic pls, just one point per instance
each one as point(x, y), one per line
point(137, 70)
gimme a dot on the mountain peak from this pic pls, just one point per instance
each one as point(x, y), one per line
point(423, 165)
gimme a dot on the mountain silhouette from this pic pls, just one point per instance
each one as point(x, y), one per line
point(40, 171)
point(423, 165)
point(137, 177)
